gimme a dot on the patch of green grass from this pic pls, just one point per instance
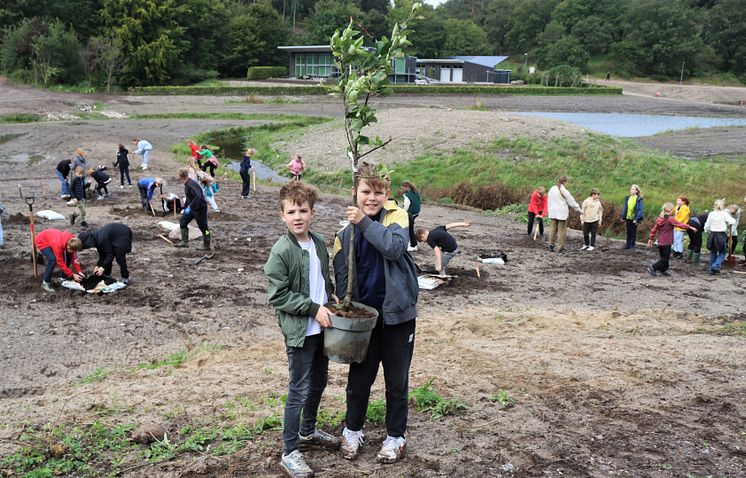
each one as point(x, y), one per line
point(376, 412)
point(228, 115)
point(21, 118)
point(503, 399)
point(270, 422)
point(737, 329)
point(603, 162)
point(327, 419)
point(97, 375)
point(89, 450)
point(427, 400)
point(518, 211)
point(174, 360)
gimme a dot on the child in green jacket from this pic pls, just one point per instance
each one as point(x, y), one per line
point(299, 285)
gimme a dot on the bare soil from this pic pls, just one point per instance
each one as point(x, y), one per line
point(614, 372)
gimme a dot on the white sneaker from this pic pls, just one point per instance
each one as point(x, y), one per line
point(590, 248)
point(393, 450)
point(295, 465)
point(584, 248)
point(121, 187)
point(351, 443)
point(411, 249)
point(47, 286)
point(100, 198)
point(144, 167)
point(130, 186)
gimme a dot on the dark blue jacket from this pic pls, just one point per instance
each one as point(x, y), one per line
point(122, 159)
point(195, 198)
point(245, 164)
point(639, 210)
point(77, 188)
point(112, 239)
point(149, 185)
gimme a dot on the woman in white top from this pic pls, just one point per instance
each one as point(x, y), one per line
point(558, 200)
point(735, 212)
point(717, 228)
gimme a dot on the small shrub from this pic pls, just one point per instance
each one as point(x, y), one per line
point(427, 400)
point(264, 72)
point(376, 412)
point(503, 399)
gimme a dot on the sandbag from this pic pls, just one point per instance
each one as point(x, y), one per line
point(49, 215)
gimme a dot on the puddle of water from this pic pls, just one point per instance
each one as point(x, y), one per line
point(263, 171)
point(4, 138)
point(30, 159)
point(632, 125)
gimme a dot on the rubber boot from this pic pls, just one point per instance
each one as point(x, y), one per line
point(695, 260)
point(184, 238)
point(205, 242)
point(689, 255)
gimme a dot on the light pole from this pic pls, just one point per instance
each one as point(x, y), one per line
point(681, 77)
point(525, 60)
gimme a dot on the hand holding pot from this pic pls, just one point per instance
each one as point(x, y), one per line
point(322, 317)
point(354, 214)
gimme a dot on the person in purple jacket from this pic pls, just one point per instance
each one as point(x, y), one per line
point(664, 228)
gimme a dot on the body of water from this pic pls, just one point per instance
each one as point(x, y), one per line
point(631, 125)
point(263, 171)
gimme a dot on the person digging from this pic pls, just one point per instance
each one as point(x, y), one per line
point(196, 208)
point(443, 244)
point(112, 241)
point(59, 249)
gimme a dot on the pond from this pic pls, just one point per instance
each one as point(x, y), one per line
point(262, 171)
point(631, 125)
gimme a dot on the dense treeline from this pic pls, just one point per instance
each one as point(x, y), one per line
point(147, 42)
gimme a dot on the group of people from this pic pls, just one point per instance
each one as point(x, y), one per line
point(674, 221)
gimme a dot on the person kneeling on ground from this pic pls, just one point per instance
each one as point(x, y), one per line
point(299, 286)
point(147, 188)
point(443, 244)
point(171, 203)
point(664, 226)
point(196, 208)
point(59, 249)
point(112, 241)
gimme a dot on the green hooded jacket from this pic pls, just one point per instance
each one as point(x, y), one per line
point(287, 270)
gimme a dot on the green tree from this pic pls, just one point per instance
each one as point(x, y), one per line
point(659, 36)
point(428, 32)
point(566, 51)
point(498, 21)
point(153, 43)
point(104, 54)
point(463, 37)
point(474, 10)
point(530, 17)
point(725, 32)
point(327, 16)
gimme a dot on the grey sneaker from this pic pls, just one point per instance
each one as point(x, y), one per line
point(393, 450)
point(295, 465)
point(47, 286)
point(351, 443)
point(126, 280)
point(319, 438)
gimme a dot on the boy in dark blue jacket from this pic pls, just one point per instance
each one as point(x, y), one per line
point(385, 280)
point(77, 189)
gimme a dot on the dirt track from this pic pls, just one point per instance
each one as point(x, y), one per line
point(615, 373)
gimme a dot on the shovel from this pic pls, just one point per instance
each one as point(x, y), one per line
point(730, 261)
point(30, 202)
point(536, 228)
point(203, 258)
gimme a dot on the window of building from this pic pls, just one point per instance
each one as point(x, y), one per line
point(315, 65)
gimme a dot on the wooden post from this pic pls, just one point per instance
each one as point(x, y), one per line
point(253, 180)
point(174, 207)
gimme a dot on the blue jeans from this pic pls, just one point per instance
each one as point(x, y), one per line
point(64, 188)
point(678, 240)
point(716, 260)
point(2, 240)
point(308, 368)
point(50, 262)
point(145, 157)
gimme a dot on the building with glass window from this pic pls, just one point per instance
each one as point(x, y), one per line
point(315, 61)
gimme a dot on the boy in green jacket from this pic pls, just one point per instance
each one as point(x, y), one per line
point(298, 274)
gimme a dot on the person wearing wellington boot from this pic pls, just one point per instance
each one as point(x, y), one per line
point(196, 208)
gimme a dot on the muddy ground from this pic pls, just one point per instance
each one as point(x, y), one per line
point(614, 372)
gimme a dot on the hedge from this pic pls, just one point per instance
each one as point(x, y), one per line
point(270, 90)
point(264, 72)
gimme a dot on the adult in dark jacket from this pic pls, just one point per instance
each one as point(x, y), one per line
point(62, 172)
point(112, 241)
point(244, 172)
point(123, 163)
point(196, 208)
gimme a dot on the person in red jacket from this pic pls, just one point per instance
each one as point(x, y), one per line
point(664, 228)
point(59, 248)
point(537, 207)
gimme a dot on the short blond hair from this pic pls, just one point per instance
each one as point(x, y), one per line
point(667, 209)
point(74, 244)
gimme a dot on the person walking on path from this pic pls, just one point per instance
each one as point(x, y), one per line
point(59, 249)
point(123, 163)
point(296, 167)
point(632, 214)
point(559, 202)
point(112, 241)
point(664, 227)
point(682, 214)
point(62, 172)
point(196, 208)
point(143, 149)
point(717, 228)
point(591, 217)
point(537, 207)
point(412, 206)
point(244, 171)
